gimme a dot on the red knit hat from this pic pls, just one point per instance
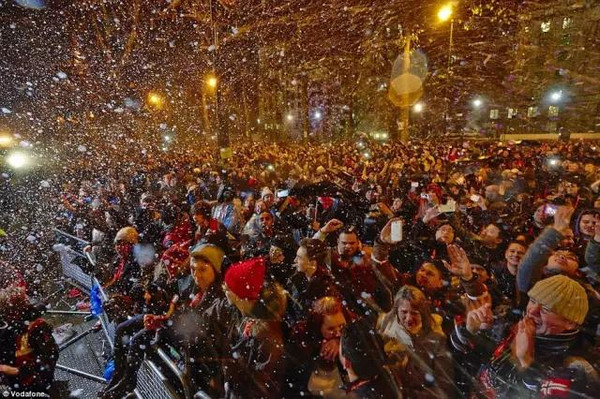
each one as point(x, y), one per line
point(245, 279)
point(173, 257)
point(327, 202)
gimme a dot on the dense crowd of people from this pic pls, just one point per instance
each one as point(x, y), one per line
point(355, 269)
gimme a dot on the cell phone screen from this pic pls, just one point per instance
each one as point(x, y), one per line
point(396, 233)
point(550, 210)
point(449, 207)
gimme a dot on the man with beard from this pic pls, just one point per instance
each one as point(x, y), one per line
point(354, 273)
point(261, 243)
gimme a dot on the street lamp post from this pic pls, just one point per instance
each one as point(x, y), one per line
point(405, 134)
point(155, 104)
point(222, 133)
point(450, 47)
point(555, 99)
point(445, 14)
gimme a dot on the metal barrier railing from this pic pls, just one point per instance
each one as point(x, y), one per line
point(108, 326)
point(152, 383)
point(71, 259)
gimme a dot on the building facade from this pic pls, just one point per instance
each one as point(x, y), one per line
point(556, 80)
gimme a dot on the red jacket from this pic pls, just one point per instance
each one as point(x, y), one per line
point(178, 234)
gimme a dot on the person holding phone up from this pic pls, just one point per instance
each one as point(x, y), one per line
point(360, 279)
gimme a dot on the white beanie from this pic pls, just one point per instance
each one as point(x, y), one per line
point(266, 191)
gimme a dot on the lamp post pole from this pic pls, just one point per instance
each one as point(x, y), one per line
point(445, 14)
point(448, 77)
point(222, 133)
point(405, 134)
point(450, 46)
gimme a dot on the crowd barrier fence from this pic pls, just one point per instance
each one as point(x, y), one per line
point(152, 382)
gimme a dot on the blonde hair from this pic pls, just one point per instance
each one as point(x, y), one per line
point(325, 306)
point(417, 299)
point(271, 304)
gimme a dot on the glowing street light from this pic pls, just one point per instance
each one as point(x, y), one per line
point(212, 82)
point(289, 117)
point(6, 140)
point(477, 103)
point(17, 160)
point(556, 96)
point(418, 107)
point(318, 115)
point(155, 99)
point(445, 13)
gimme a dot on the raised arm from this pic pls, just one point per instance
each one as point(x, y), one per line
point(542, 248)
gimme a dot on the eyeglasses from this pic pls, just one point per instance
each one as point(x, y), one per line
point(545, 308)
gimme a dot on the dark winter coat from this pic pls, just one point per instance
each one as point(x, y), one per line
point(563, 367)
point(504, 286)
point(258, 369)
point(207, 328)
point(365, 294)
point(375, 388)
point(124, 272)
point(305, 291)
point(34, 352)
point(151, 230)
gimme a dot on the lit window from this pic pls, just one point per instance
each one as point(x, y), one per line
point(567, 22)
point(552, 110)
point(545, 26)
point(512, 112)
point(494, 114)
point(532, 112)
